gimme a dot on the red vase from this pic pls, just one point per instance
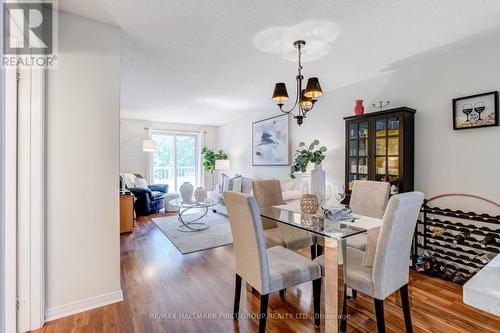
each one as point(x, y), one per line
point(359, 108)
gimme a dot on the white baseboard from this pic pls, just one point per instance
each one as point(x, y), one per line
point(83, 305)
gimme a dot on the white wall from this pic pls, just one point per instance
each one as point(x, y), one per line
point(134, 160)
point(82, 232)
point(445, 160)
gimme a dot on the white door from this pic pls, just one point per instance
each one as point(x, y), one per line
point(176, 159)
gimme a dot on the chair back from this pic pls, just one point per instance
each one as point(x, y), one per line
point(248, 239)
point(391, 264)
point(267, 193)
point(369, 197)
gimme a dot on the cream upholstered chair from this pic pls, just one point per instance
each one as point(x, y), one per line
point(368, 198)
point(391, 263)
point(266, 270)
point(268, 193)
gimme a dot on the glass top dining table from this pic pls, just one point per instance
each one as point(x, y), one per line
point(313, 223)
point(334, 252)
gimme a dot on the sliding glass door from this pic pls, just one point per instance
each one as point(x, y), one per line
point(175, 160)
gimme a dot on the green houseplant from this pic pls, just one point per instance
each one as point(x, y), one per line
point(209, 157)
point(305, 154)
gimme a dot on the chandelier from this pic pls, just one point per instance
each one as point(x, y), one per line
point(305, 97)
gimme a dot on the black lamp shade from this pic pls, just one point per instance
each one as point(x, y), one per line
point(313, 88)
point(280, 93)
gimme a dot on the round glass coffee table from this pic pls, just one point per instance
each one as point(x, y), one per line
point(198, 210)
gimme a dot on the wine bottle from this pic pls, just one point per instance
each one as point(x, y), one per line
point(447, 274)
point(461, 237)
point(459, 278)
point(437, 231)
point(488, 240)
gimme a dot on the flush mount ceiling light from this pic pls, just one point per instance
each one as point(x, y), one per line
point(320, 34)
point(305, 98)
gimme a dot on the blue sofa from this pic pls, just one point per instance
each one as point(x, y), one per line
point(149, 200)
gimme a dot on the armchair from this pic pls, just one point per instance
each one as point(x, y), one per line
point(150, 199)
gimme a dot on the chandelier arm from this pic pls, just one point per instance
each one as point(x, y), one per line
point(299, 86)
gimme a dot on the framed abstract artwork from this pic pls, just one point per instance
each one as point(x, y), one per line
point(475, 111)
point(271, 141)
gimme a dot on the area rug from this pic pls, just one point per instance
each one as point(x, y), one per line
point(218, 234)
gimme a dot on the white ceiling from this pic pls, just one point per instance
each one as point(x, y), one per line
point(195, 61)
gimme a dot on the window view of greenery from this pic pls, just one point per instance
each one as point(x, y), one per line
point(174, 161)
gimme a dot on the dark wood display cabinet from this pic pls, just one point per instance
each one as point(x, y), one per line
point(380, 146)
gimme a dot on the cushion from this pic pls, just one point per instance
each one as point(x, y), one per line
point(357, 241)
point(287, 185)
point(273, 237)
point(246, 185)
point(224, 186)
point(129, 179)
point(157, 194)
point(141, 183)
point(359, 277)
point(235, 184)
point(288, 268)
point(292, 195)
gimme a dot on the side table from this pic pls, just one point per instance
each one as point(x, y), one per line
point(126, 212)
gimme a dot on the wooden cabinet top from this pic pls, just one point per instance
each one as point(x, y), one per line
point(381, 113)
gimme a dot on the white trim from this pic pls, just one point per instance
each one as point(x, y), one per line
point(37, 177)
point(10, 200)
point(31, 219)
point(23, 199)
point(83, 305)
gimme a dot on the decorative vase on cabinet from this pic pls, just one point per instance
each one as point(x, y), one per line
point(187, 190)
point(359, 109)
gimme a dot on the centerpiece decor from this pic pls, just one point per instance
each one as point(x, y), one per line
point(187, 190)
point(311, 154)
point(309, 203)
point(200, 194)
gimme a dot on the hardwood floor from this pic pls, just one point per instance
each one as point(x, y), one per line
point(159, 285)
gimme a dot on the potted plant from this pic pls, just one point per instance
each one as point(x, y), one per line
point(314, 153)
point(209, 157)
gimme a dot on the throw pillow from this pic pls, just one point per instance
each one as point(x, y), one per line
point(129, 179)
point(246, 185)
point(141, 183)
point(235, 184)
point(224, 186)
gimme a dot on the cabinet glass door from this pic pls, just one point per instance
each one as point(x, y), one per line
point(387, 140)
point(358, 152)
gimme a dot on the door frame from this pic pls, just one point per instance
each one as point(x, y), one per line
point(31, 199)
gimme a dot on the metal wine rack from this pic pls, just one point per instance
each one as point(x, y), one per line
point(462, 257)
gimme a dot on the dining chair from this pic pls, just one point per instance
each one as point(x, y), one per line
point(267, 193)
point(266, 270)
point(368, 198)
point(390, 269)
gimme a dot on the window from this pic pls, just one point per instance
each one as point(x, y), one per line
point(176, 159)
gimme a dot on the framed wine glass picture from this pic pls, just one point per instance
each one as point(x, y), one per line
point(475, 111)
